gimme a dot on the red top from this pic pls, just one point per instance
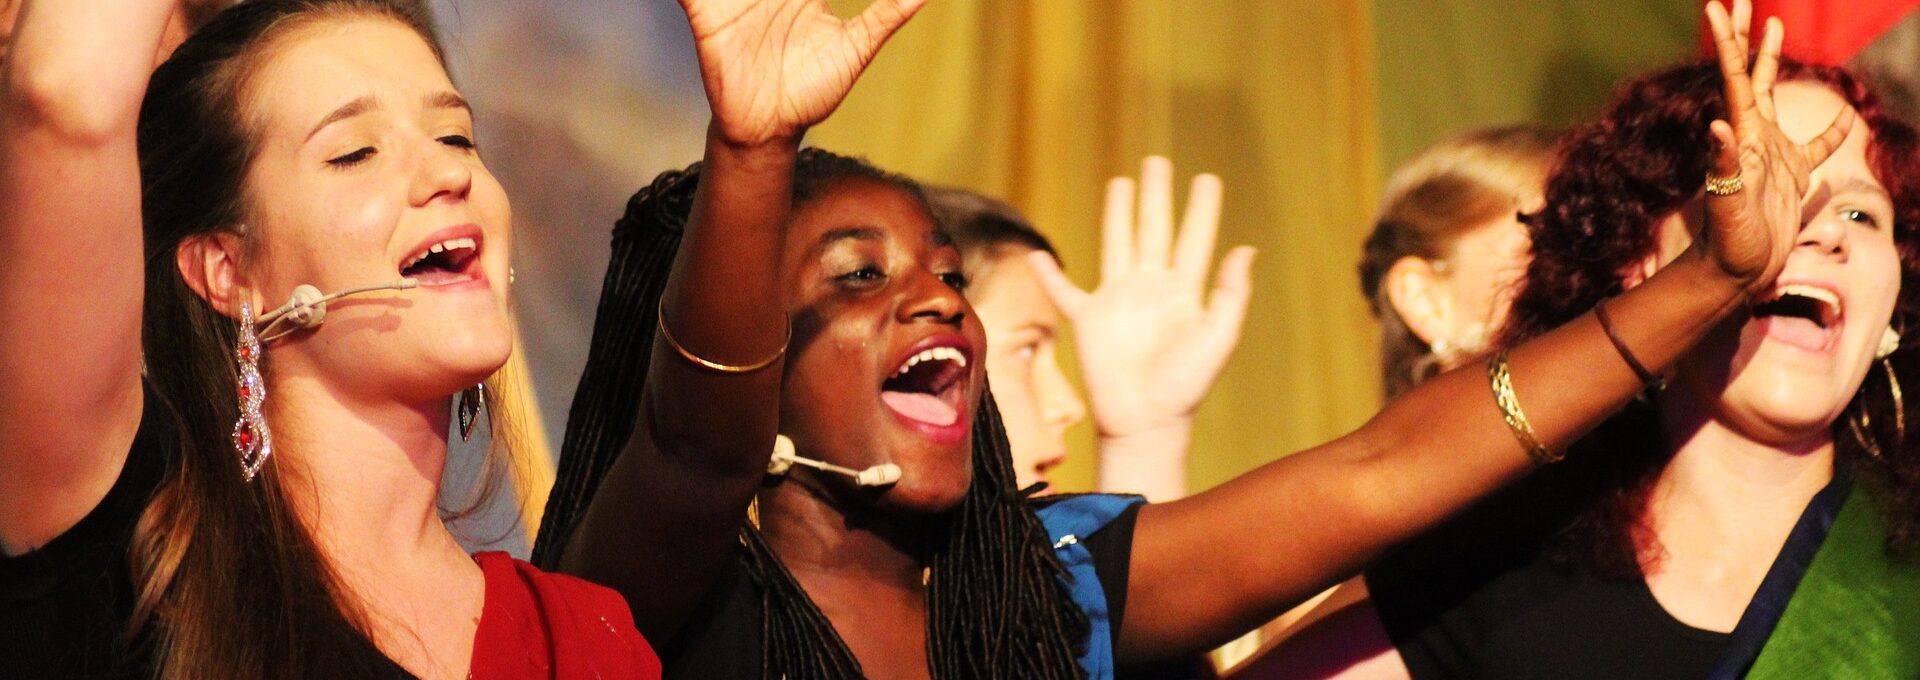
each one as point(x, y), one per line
point(540, 625)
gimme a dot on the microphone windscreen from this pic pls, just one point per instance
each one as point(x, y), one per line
point(879, 475)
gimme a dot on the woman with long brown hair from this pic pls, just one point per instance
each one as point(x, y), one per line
point(889, 540)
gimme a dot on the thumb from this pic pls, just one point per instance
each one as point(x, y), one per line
point(1232, 291)
point(1068, 297)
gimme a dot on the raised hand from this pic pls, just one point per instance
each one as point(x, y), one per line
point(1751, 230)
point(774, 67)
point(1150, 347)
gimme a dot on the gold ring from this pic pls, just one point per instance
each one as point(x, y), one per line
point(1724, 186)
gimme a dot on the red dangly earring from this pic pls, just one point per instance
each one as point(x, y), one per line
point(252, 439)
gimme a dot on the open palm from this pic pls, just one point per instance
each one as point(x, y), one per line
point(774, 67)
point(1150, 343)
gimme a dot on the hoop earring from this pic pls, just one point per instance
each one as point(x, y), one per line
point(252, 439)
point(1899, 406)
point(1862, 424)
point(471, 402)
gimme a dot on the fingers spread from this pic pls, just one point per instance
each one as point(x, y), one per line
point(1819, 148)
point(1743, 25)
point(1156, 212)
point(1733, 63)
point(1068, 297)
point(1766, 68)
point(1227, 307)
point(1726, 154)
point(1116, 229)
point(879, 21)
point(1198, 230)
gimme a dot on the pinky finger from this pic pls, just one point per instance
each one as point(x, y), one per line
point(1819, 148)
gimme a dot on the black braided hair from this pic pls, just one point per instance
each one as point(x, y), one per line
point(998, 605)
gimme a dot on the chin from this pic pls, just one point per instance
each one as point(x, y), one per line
point(923, 499)
point(1783, 413)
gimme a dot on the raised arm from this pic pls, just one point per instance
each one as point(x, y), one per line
point(670, 509)
point(1209, 567)
point(70, 288)
point(1150, 346)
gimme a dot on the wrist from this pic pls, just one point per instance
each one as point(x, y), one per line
point(1157, 439)
point(754, 145)
point(1703, 272)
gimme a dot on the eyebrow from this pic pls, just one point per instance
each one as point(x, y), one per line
point(848, 234)
point(448, 99)
point(445, 99)
point(351, 109)
point(1860, 185)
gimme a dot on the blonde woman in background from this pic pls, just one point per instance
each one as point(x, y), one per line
point(1439, 270)
point(1150, 347)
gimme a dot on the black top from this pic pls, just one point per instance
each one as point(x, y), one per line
point(1494, 607)
point(721, 640)
point(65, 606)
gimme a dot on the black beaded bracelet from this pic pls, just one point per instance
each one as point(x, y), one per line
point(1654, 382)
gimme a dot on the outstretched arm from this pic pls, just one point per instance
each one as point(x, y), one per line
point(1150, 346)
point(1216, 564)
point(70, 289)
point(671, 508)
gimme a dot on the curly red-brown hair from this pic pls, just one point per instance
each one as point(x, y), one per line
point(1643, 159)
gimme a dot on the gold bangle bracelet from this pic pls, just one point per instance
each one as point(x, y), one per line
point(715, 365)
point(1510, 410)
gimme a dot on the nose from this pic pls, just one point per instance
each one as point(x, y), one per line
point(1825, 234)
point(1060, 405)
point(931, 299)
point(441, 173)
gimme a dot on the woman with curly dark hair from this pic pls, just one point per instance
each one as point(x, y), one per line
point(812, 310)
point(1671, 543)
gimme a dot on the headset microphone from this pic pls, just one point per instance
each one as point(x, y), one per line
point(306, 308)
point(784, 459)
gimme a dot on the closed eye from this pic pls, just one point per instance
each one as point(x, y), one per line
point(458, 142)
point(862, 277)
point(353, 158)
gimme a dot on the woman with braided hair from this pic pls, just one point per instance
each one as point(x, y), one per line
point(774, 302)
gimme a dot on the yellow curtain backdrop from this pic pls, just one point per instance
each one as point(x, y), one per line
point(1040, 101)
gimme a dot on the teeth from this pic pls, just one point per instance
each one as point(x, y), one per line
point(1807, 291)
point(441, 247)
point(939, 353)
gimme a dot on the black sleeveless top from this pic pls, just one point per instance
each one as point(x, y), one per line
point(65, 607)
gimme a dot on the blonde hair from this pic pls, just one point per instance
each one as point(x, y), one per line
point(1429, 202)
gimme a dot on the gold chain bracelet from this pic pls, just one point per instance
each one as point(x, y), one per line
point(1503, 395)
point(715, 365)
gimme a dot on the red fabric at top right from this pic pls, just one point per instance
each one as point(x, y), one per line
point(1824, 31)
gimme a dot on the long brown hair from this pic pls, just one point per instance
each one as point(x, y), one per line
point(1618, 176)
point(228, 579)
